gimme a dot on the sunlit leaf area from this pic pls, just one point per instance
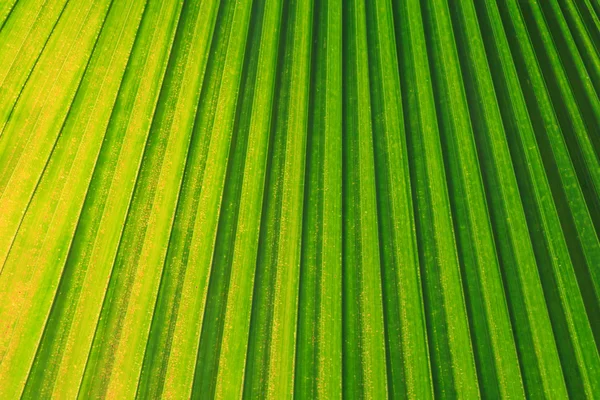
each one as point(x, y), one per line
point(309, 199)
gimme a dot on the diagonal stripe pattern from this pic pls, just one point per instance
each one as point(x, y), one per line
point(299, 198)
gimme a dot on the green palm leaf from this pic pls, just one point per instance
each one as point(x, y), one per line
point(299, 198)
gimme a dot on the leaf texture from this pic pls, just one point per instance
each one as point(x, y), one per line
point(299, 198)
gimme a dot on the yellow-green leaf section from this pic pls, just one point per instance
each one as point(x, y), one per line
point(312, 199)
